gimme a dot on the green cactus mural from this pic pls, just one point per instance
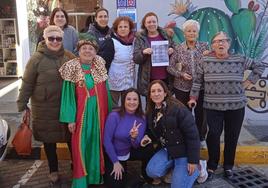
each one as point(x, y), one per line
point(241, 26)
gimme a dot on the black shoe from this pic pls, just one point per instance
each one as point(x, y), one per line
point(229, 174)
point(210, 175)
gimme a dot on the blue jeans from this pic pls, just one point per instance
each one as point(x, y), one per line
point(159, 165)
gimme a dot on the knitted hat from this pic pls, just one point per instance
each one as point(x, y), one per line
point(52, 28)
point(90, 42)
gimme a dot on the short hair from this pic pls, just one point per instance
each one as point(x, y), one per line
point(221, 33)
point(123, 18)
point(99, 10)
point(144, 19)
point(190, 23)
point(55, 10)
point(52, 28)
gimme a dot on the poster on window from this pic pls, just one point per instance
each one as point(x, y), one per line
point(132, 13)
point(160, 53)
point(125, 4)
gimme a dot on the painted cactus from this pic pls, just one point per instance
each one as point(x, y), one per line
point(212, 20)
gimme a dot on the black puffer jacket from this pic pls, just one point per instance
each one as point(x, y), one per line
point(105, 42)
point(176, 131)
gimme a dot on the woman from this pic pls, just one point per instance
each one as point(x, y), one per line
point(183, 64)
point(85, 105)
point(222, 74)
point(121, 73)
point(123, 132)
point(172, 128)
point(101, 33)
point(42, 83)
point(59, 17)
point(143, 51)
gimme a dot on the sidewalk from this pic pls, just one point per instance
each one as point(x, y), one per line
point(33, 172)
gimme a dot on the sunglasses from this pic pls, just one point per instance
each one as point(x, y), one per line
point(52, 39)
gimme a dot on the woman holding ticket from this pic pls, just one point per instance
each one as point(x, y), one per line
point(144, 54)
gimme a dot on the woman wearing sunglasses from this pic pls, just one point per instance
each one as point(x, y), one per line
point(42, 84)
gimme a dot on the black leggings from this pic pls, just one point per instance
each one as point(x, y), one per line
point(142, 154)
point(51, 153)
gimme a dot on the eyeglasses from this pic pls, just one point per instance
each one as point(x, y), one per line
point(220, 41)
point(52, 39)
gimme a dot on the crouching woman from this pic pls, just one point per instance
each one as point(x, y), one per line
point(172, 126)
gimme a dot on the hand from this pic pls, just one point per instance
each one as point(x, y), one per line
point(186, 76)
point(170, 51)
point(208, 52)
point(145, 141)
point(71, 127)
point(192, 103)
point(135, 130)
point(191, 168)
point(117, 171)
point(148, 51)
point(246, 84)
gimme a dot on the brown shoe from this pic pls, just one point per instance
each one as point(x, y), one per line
point(54, 177)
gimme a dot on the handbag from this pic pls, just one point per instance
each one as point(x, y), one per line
point(22, 140)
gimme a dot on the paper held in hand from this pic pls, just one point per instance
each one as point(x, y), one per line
point(160, 53)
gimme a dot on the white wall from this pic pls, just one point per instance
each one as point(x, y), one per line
point(23, 52)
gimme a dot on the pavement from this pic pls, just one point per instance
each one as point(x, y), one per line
point(16, 171)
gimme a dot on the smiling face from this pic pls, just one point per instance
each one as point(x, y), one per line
point(191, 33)
point(131, 102)
point(102, 18)
point(123, 29)
point(221, 44)
point(53, 41)
point(151, 24)
point(59, 19)
point(157, 94)
point(87, 53)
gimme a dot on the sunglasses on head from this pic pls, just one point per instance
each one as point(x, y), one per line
point(52, 39)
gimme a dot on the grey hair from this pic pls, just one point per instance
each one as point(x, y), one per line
point(222, 33)
point(191, 23)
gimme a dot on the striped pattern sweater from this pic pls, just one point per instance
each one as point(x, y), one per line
point(222, 79)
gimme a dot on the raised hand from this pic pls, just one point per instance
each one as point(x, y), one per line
point(134, 131)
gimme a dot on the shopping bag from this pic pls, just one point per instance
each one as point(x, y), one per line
point(22, 140)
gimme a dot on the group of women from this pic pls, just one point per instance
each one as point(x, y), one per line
point(72, 100)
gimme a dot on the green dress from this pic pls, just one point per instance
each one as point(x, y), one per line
point(87, 104)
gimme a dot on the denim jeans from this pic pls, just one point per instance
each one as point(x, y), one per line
point(159, 165)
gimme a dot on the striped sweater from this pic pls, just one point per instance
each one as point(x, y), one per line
point(222, 79)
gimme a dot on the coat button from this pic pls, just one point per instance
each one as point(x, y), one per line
point(177, 142)
point(171, 132)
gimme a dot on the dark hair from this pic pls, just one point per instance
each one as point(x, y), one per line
point(99, 10)
point(123, 18)
point(122, 110)
point(169, 99)
point(144, 19)
point(52, 15)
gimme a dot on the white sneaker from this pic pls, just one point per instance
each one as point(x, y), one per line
point(203, 172)
point(203, 144)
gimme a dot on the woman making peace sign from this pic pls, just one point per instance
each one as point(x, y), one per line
point(123, 132)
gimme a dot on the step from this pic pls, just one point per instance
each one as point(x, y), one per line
point(244, 154)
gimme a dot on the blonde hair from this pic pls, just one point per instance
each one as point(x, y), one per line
point(52, 28)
